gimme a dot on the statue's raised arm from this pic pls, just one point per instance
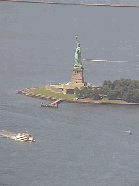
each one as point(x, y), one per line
point(78, 62)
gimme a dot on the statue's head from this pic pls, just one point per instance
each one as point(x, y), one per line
point(78, 44)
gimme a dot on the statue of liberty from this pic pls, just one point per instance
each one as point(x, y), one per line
point(78, 62)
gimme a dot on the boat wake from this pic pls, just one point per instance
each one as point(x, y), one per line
point(101, 60)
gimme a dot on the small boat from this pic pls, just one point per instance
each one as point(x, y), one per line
point(129, 132)
point(24, 137)
point(49, 105)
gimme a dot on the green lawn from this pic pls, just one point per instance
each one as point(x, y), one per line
point(105, 100)
point(48, 93)
point(45, 92)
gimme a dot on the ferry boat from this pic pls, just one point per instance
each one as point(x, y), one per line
point(24, 137)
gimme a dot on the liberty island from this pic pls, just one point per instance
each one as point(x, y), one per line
point(72, 90)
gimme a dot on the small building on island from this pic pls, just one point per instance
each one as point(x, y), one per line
point(77, 79)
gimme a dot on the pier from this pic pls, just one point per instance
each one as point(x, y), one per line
point(53, 104)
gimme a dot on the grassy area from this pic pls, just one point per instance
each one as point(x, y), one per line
point(48, 93)
point(111, 101)
point(45, 92)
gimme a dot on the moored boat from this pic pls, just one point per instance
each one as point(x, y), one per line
point(49, 105)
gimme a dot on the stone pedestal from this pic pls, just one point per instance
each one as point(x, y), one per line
point(77, 75)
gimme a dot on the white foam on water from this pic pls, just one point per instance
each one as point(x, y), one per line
point(103, 60)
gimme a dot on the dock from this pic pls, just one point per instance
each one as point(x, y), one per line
point(53, 104)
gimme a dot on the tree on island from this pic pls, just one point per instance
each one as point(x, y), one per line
point(123, 89)
point(87, 92)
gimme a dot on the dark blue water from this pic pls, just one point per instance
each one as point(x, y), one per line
point(76, 144)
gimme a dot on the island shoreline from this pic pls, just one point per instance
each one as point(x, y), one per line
point(27, 92)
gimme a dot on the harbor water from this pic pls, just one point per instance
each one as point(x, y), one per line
point(75, 144)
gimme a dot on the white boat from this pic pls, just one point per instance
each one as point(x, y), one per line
point(24, 137)
point(49, 105)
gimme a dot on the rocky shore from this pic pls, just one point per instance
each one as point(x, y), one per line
point(27, 92)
